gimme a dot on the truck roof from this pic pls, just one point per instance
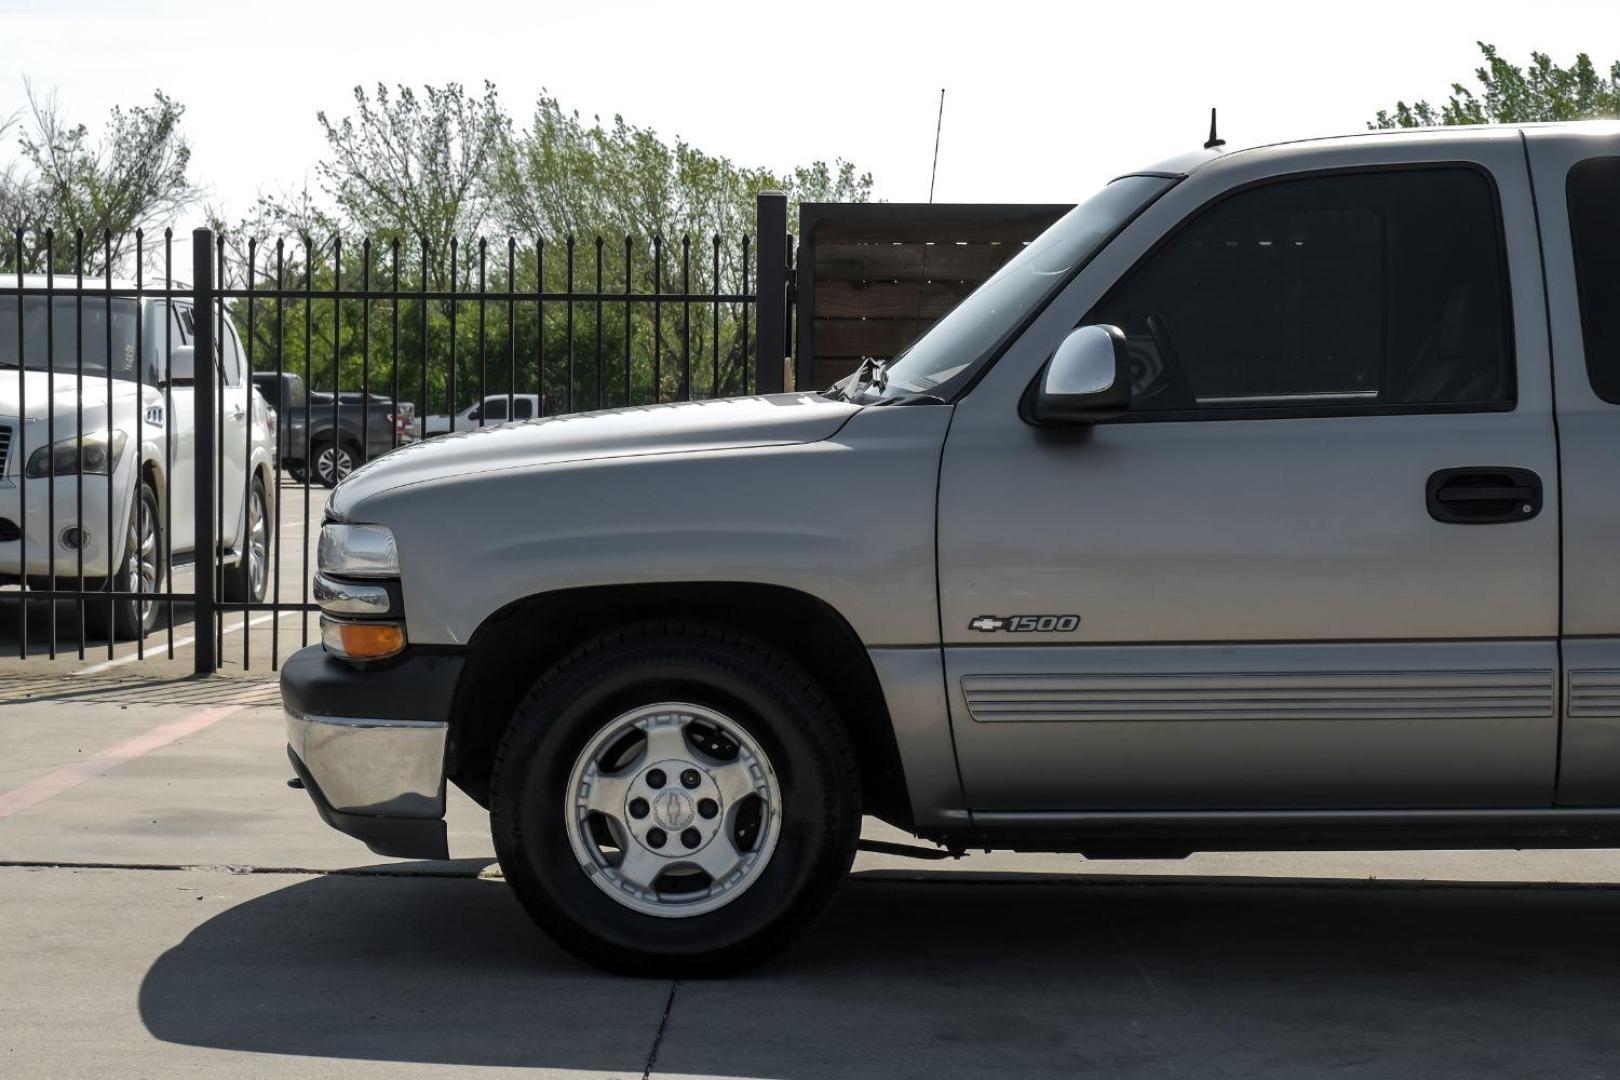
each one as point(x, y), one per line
point(1185, 164)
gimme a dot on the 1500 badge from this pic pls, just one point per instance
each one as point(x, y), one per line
point(1025, 624)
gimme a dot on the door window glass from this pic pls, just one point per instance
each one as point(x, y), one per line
point(1593, 191)
point(1357, 291)
point(231, 356)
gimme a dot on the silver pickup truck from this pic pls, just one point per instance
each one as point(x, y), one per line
point(1269, 500)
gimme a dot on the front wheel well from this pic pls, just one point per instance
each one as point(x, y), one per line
point(516, 645)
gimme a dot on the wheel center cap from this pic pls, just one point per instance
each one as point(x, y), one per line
point(673, 810)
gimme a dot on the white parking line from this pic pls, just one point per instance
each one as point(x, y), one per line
point(157, 642)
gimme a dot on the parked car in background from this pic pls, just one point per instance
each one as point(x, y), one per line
point(366, 426)
point(495, 409)
point(97, 444)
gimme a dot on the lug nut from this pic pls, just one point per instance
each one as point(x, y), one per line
point(657, 838)
point(691, 838)
point(656, 779)
point(690, 779)
point(707, 808)
point(638, 808)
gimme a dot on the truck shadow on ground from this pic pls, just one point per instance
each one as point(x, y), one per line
point(934, 974)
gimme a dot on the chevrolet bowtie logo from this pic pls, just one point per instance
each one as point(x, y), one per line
point(988, 624)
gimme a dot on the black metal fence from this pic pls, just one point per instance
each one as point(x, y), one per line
point(324, 355)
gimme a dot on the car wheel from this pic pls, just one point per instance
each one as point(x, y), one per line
point(248, 580)
point(141, 572)
point(333, 462)
point(675, 798)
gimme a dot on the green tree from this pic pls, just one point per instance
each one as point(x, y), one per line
point(675, 212)
point(637, 213)
point(1509, 94)
point(132, 177)
point(561, 176)
point(414, 166)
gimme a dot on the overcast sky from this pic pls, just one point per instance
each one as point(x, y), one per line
point(1044, 101)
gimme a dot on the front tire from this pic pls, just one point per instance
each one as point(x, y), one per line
point(334, 461)
point(675, 799)
point(141, 572)
point(247, 581)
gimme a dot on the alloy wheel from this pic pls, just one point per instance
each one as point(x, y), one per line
point(673, 809)
point(141, 562)
point(258, 547)
point(333, 464)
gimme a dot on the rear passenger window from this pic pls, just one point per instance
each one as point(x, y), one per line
point(522, 409)
point(1593, 192)
point(231, 355)
point(1355, 292)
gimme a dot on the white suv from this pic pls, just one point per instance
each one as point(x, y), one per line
point(97, 485)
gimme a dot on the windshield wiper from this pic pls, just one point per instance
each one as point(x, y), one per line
point(869, 372)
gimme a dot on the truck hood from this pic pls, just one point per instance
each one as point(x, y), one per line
point(684, 427)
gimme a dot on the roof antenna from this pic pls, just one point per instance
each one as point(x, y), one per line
point(1214, 140)
point(938, 125)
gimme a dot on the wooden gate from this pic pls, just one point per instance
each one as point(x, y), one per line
point(873, 276)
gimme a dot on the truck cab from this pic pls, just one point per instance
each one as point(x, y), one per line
point(1262, 502)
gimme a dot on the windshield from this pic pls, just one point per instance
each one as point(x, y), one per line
point(78, 335)
point(945, 358)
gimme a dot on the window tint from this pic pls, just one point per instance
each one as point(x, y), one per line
point(231, 356)
point(522, 409)
point(1346, 292)
point(1593, 190)
point(494, 408)
point(80, 336)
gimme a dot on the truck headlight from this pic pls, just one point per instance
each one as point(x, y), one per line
point(357, 551)
point(95, 453)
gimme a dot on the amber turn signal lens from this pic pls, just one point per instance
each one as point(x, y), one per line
point(362, 641)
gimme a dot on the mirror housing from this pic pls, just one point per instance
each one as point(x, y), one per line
point(182, 366)
point(1085, 382)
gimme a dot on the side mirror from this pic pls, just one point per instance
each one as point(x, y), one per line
point(182, 365)
point(1086, 381)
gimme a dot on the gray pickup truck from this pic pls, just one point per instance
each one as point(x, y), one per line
point(1266, 501)
point(337, 438)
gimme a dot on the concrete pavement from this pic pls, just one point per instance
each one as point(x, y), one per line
point(180, 911)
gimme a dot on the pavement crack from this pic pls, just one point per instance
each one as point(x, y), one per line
point(658, 1036)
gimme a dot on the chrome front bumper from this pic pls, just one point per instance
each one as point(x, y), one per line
point(381, 781)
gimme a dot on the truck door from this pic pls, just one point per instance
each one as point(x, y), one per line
point(1316, 565)
point(1577, 181)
